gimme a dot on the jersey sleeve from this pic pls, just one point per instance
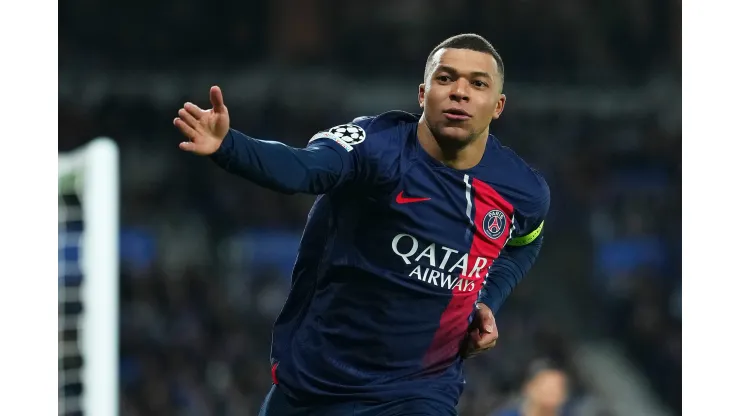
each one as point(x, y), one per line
point(529, 216)
point(522, 250)
point(329, 160)
point(349, 141)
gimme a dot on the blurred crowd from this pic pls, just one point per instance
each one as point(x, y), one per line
point(206, 256)
point(540, 40)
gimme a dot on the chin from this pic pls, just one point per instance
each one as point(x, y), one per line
point(454, 134)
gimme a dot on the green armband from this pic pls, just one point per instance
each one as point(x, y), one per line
point(526, 239)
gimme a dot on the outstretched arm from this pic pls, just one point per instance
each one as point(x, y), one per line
point(315, 169)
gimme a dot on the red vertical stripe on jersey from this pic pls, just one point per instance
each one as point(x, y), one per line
point(453, 323)
point(273, 372)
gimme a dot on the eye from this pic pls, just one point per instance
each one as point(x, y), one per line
point(479, 84)
point(444, 78)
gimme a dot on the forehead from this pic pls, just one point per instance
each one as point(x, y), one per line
point(550, 377)
point(464, 60)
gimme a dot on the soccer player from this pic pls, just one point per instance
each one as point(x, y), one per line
point(423, 225)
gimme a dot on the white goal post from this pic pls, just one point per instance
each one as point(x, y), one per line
point(88, 279)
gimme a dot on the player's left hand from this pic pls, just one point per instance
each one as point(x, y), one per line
point(482, 332)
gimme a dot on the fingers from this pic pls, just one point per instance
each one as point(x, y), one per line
point(188, 118)
point(201, 126)
point(475, 346)
point(487, 341)
point(193, 147)
point(194, 110)
point(217, 100)
point(486, 321)
point(188, 146)
point(481, 339)
point(478, 341)
point(188, 131)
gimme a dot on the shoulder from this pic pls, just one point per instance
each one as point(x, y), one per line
point(532, 190)
point(386, 131)
point(372, 145)
point(387, 122)
point(371, 134)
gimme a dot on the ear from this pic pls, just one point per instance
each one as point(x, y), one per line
point(422, 93)
point(499, 107)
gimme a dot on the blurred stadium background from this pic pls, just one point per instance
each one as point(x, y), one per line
point(594, 103)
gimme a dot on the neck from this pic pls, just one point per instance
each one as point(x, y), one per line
point(531, 409)
point(454, 155)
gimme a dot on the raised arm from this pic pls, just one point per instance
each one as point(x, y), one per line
point(316, 169)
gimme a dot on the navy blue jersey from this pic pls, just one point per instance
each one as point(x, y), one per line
point(397, 250)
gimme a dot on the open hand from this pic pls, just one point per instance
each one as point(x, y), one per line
point(482, 332)
point(205, 129)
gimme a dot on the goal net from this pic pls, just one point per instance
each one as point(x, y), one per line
point(88, 280)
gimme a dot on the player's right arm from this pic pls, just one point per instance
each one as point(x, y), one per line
point(316, 169)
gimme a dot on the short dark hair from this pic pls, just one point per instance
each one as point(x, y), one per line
point(469, 41)
point(538, 366)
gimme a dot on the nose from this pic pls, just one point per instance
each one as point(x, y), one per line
point(459, 91)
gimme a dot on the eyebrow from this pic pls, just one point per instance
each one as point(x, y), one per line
point(474, 74)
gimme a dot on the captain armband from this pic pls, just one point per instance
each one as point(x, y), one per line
point(526, 239)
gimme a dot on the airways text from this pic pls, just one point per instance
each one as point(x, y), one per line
point(441, 266)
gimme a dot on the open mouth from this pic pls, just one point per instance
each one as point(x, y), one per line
point(456, 114)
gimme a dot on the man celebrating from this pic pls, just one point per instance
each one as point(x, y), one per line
point(423, 226)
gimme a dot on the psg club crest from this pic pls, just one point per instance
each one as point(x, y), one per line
point(349, 133)
point(494, 223)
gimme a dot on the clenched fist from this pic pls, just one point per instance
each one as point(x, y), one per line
point(482, 333)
